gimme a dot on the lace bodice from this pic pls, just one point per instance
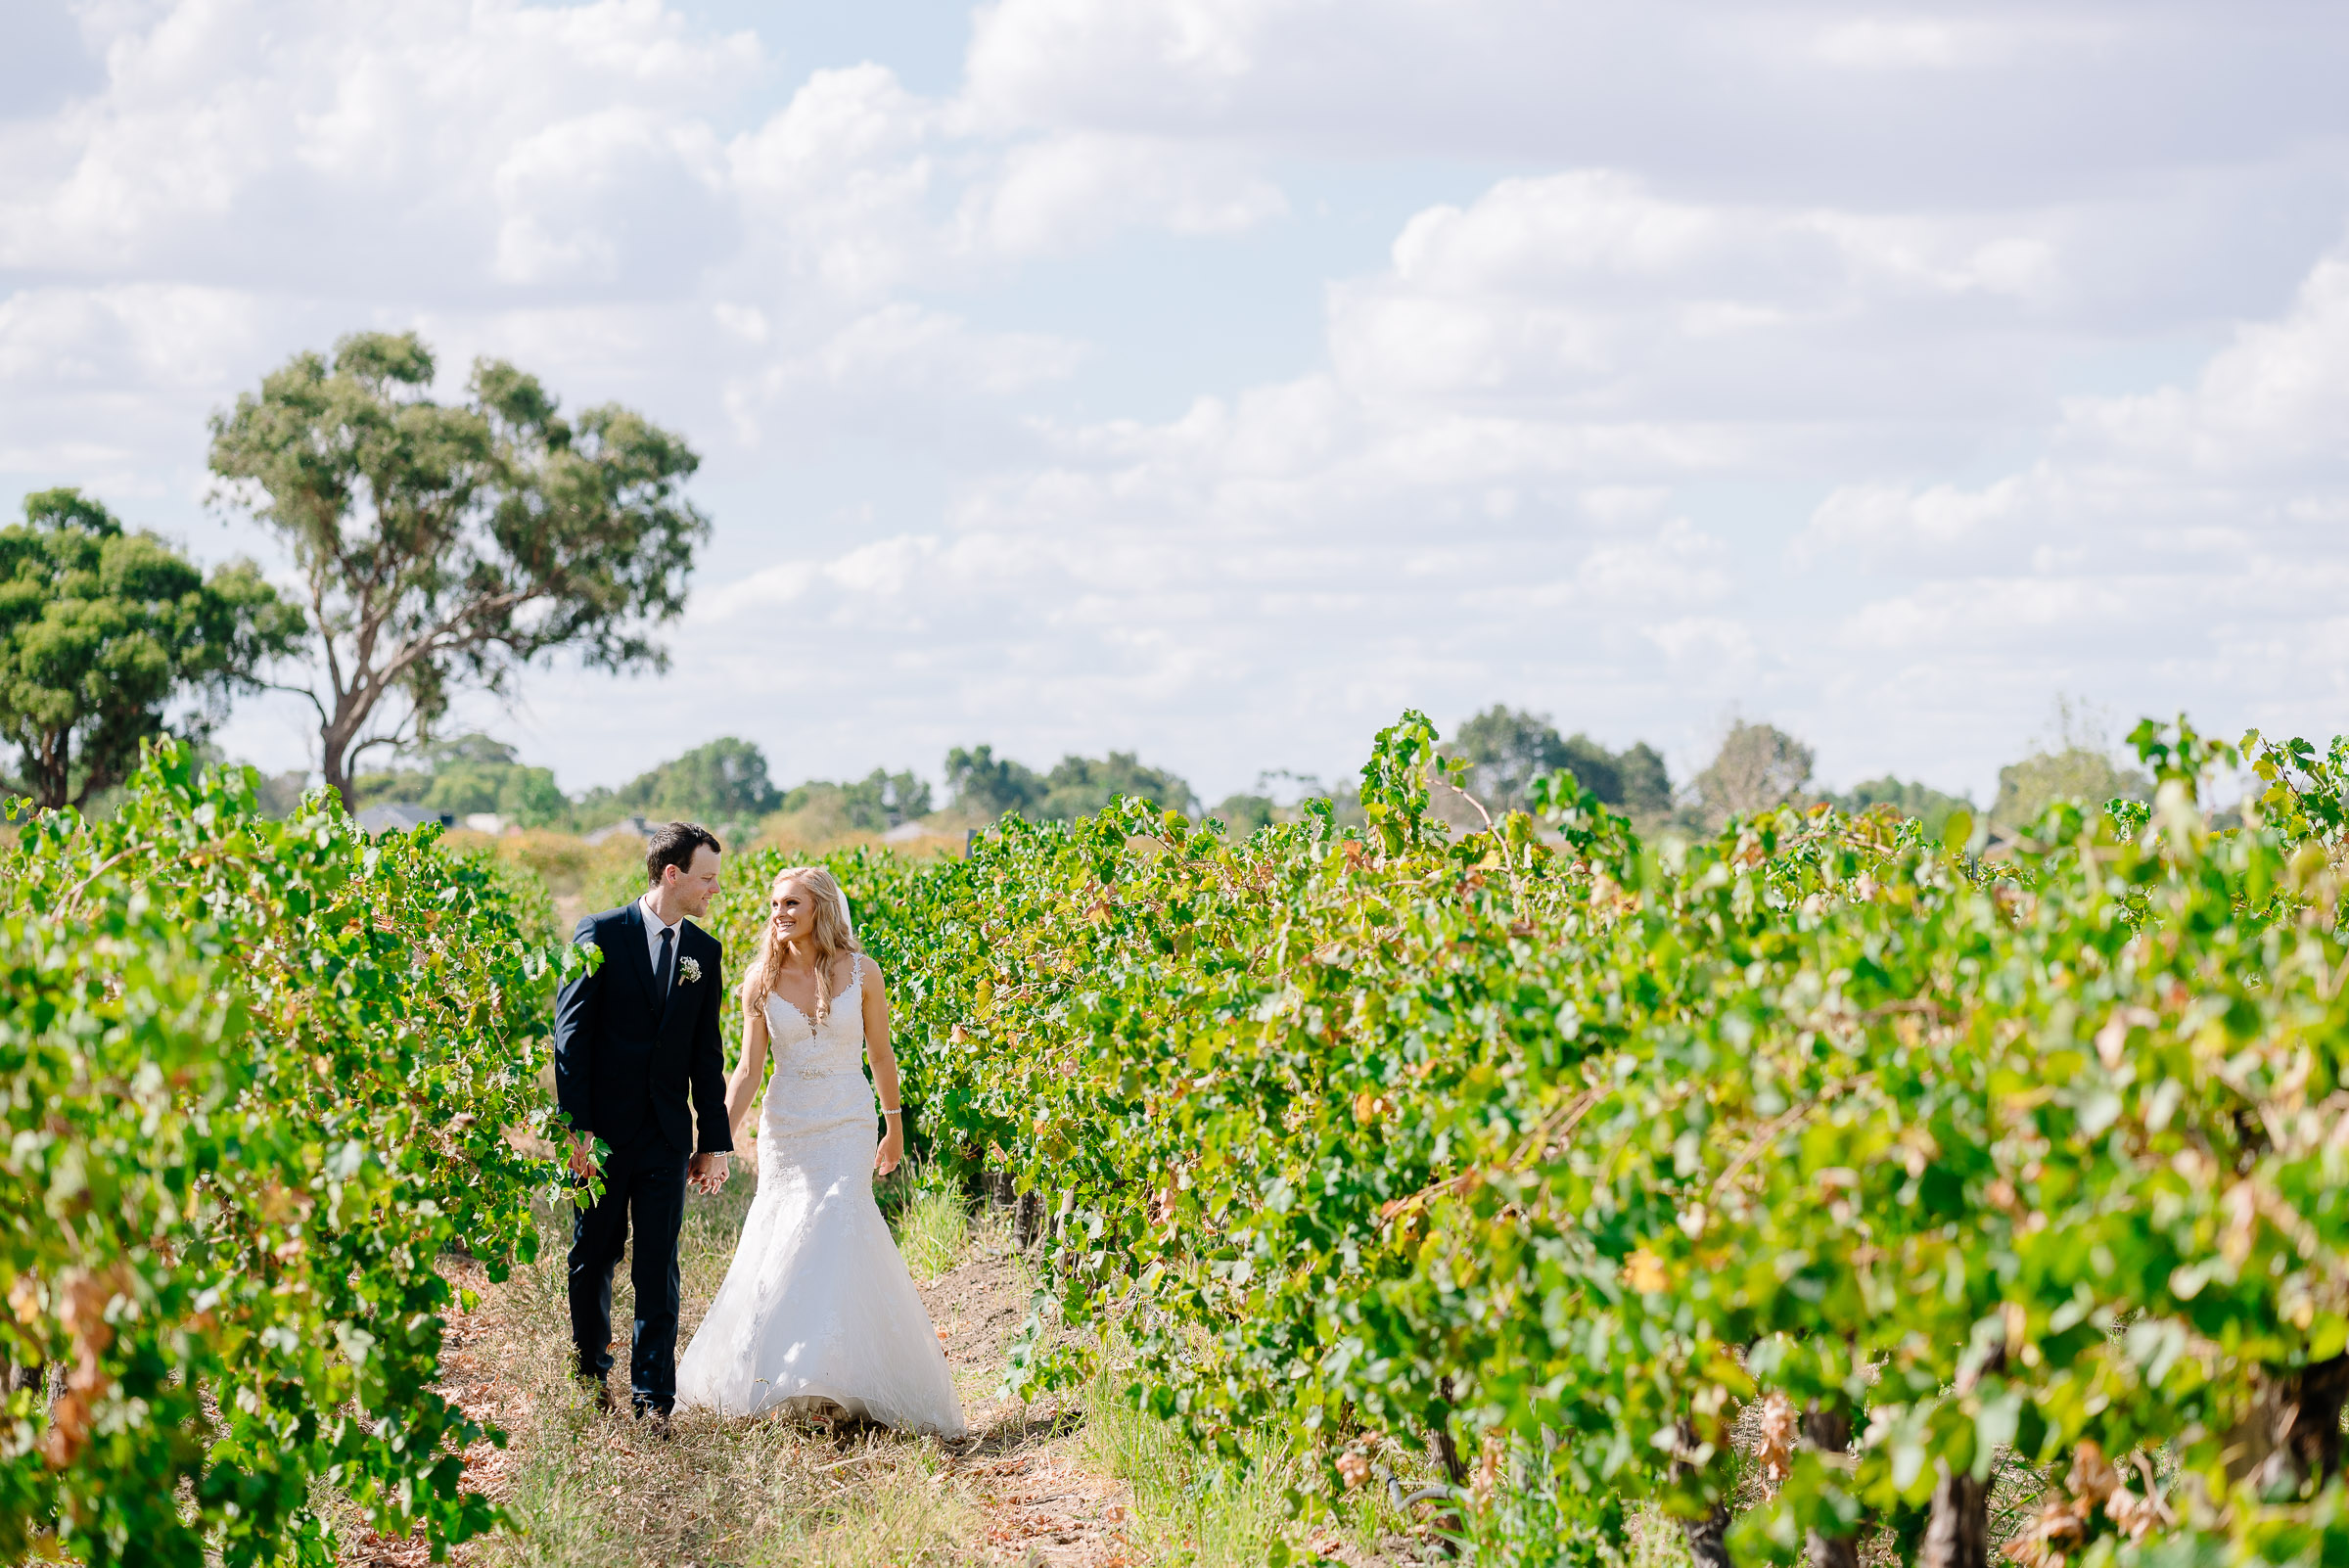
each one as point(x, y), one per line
point(802, 1050)
point(818, 1083)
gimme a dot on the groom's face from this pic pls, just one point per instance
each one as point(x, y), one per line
point(691, 888)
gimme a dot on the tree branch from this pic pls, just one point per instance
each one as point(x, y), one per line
point(400, 736)
point(299, 691)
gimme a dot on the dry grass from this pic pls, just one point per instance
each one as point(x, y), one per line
point(1190, 1510)
point(1182, 1509)
point(933, 1222)
point(587, 1487)
point(602, 1490)
point(566, 862)
point(1088, 1484)
point(818, 831)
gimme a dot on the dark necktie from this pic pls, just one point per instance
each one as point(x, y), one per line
point(660, 969)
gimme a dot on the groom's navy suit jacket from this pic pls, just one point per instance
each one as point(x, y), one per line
point(626, 1058)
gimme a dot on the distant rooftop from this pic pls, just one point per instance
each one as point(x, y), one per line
point(401, 816)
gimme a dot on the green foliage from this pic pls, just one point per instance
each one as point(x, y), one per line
point(991, 787)
point(467, 774)
point(256, 1077)
point(2078, 773)
point(1508, 750)
point(1081, 786)
point(874, 803)
point(1572, 1151)
point(1926, 804)
point(1645, 787)
point(101, 628)
point(721, 781)
point(1758, 767)
point(1242, 814)
point(447, 544)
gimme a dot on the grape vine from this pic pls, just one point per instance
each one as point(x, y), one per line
point(1564, 1153)
point(257, 1079)
point(1792, 1184)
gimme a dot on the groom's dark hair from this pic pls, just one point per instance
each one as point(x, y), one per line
point(673, 844)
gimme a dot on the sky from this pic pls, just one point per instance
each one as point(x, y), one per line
point(1215, 379)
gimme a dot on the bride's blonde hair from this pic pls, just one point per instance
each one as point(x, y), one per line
point(829, 935)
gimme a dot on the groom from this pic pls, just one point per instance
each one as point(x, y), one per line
point(632, 1037)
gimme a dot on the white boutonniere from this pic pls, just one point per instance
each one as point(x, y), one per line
point(689, 970)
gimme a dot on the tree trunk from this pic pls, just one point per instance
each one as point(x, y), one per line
point(1447, 1453)
point(1027, 1209)
point(1958, 1535)
point(1830, 1431)
point(1709, 1537)
point(1958, 1531)
point(50, 778)
point(2293, 1433)
point(334, 764)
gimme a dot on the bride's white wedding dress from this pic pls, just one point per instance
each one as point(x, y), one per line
point(817, 1305)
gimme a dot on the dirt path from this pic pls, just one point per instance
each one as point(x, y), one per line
point(586, 1488)
point(1038, 1502)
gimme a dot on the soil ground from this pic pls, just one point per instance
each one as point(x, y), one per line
point(603, 1488)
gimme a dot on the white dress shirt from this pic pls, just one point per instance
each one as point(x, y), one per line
point(652, 938)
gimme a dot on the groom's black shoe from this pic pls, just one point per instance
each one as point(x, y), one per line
point(594, 1384)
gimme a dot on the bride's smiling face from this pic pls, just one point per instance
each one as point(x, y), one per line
point(790, 910)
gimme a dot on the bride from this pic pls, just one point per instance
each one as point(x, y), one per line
point(818, 1310)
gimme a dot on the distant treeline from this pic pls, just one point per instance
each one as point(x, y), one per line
point(728, 782)
point(1760, 766)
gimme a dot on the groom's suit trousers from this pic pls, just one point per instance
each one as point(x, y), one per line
point(644, 1186)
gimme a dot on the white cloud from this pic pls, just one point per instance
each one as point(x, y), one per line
point(1029, 57)
point(2175, 546)
point(899, 369)
point(2272, 406)
point(1531, 234)
point(1062, 192)
point(769, 588)
point(1883, 520)
point(1592, 291)
point(609, 198)
point(229, 128)
point(1876, 43)
point(1720, 356)
point(1709, 642)
point(2248, 451)
point(1831, 98)
point(837, 185)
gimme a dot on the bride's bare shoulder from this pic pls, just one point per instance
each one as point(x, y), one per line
point(869, 971)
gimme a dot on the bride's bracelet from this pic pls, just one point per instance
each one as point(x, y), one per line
point(889, 1110)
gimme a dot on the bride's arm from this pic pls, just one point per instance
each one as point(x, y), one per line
point(743, 1087)
point(885, 1070)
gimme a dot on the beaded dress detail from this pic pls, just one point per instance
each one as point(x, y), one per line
point(817, 1305)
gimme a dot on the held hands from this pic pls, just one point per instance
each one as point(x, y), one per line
point(582, 1156)
point(892, 1151)
point(706, 1172)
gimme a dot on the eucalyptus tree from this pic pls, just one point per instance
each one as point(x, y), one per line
point(446, 545)
point(1508, 748)
point(1757, 768)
